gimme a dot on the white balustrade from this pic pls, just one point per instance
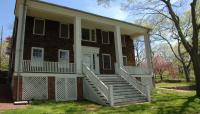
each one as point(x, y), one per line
point(144, 89)
point(47, 67)
point(137, 70)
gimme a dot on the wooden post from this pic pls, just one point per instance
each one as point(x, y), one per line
point(110, 89)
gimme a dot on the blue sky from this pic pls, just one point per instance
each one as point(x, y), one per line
point(7, 11)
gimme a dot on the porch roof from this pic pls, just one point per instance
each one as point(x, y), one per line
point(63, 10)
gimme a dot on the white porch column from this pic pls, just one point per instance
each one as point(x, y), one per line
point(148, 80)
point(20, 38)
point(148, 51)
point(118, 47)
point(77, 45)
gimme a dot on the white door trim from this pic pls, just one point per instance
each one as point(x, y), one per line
point(93, 51)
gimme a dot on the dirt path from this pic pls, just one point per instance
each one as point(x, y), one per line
point(6, 98)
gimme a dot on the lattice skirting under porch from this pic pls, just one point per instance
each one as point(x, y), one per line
point(35, 88)
point(40, 88)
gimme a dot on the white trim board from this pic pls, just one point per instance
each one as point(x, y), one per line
point(89, 50)
point(48, 75)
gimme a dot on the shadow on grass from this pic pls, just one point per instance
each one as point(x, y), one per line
point(187, 104)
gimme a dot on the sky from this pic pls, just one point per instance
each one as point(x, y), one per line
point(7, 11)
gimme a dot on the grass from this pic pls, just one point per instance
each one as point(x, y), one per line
point(167, 84)
point(163, 102)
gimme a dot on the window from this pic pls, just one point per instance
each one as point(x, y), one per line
point(63, 55)
point(105, 37)
point(125, 60)
point(39, 26)
point(37, 53)
point(63, 58)
point(88, 35)
point(64, 31)
point(106, 61)
point(123, 40)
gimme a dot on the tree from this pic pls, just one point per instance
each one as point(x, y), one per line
point(173, 12)
point(4, 54)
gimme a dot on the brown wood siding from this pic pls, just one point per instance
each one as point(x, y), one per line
point(104, 49)
point(128, 51)
point(50, 41)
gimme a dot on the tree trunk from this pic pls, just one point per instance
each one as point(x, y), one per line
point(186, 73)
point(161, 77)
point(196, 64)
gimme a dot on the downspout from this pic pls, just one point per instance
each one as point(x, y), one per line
point(22, 31)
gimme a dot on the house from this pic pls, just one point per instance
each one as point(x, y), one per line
point(62, 54)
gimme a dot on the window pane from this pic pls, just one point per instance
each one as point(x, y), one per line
point(37, 53)
point(64, 31)
point(86, 34)
point(64, 55)
point(105, 36)
point(39, 26)
point(107, 62)
point(93, 35)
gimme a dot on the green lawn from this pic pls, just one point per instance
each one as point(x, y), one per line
point(165, 84)
point(164, 102)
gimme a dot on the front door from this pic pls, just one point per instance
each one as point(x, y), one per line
point(87, 60)
point(91, 61)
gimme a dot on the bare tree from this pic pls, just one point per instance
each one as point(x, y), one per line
point(172, 11)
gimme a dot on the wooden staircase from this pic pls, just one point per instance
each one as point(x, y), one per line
point(123, 92)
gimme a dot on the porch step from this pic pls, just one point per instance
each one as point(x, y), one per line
point(123, 92)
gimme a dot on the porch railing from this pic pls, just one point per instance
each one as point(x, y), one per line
point(106, 90)
point(47, 67)
point(137, 70)
point(144, 89)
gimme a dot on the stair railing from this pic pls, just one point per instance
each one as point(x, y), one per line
point(106, 90)
point(144, 89)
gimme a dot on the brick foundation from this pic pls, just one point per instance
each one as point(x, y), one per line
point(17, 89)
point(51, 88)
point(79, 88)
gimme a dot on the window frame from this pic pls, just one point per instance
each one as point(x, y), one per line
point(90, 35)
point(68, 35)
point(126, 61)
point(109, 60)
point(108, 37)
point(59, 50)
point(39, 49)
point(43, 27)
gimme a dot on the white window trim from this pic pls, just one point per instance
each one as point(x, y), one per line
point(123, 40)
point(59, 50)
point(43, 28)
point(108, 37)
point(90, 37)
point(37, 48)
point(68, 35)
point(126, 60)
point(110, 61)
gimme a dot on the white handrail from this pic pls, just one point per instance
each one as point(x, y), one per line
point(107, 91)
point(135, 83)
